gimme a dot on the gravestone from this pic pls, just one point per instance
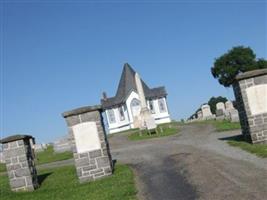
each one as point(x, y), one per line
point(2, 159)
point(199, 115)
point(220, 106)
point(229, 105)
point(250, 90)
point(62, 145)
point(19, 159)
point(206, 112)
point(89, 143)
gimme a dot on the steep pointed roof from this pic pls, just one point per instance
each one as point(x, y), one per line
point(127, 85)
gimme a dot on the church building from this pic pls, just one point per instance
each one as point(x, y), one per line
point(121, 110)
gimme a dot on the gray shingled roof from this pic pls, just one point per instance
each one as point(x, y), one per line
point(127, 85)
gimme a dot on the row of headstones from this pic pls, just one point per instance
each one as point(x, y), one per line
point(250, 89)
point(89, 145)
point(226, 111)
point(223, 111)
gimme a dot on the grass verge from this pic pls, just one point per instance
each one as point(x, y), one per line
point(226, 125)
point(48, 156)
point(62, 183)
point(2, 167)
point(257, 149)
point(167, 130)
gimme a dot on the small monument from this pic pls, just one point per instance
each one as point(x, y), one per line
point(206, 112)
point(19, 159)
point(199, 115)
point(145, 119)
point(89, 143)
point(220, 111)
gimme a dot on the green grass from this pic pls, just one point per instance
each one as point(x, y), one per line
point(48, 156)
point(168, 129)
point(226, 125)
point(258, 149)
point(62, 184)
point(2, 167)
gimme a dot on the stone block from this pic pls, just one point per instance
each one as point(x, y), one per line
point(103, 162)
point(95, 154)
point(18, 183)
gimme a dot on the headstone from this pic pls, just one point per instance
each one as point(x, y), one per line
point(206, 112)
point(199, 115)
point(220, 106)
point(220, 114)
point(89, 143)
point(229, 105)
point(62, 145)
point(250, 90)
point(234, 117)
point(19, 159)
point(38, 147)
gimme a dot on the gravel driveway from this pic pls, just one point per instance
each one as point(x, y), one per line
point(197, 163)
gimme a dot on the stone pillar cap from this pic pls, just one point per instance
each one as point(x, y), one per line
point(250, 74)
point(15, 138)
point(81, 110)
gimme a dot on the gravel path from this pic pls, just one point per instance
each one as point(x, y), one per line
point(195, 164)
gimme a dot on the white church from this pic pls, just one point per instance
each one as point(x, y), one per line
point(121, 110)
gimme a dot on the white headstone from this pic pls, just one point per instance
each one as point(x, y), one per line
point(199, 115)
point(86, 137)
point(257, 99)
point(220, 106)
point(206, 111)
point(229, 105)
point(140, 90)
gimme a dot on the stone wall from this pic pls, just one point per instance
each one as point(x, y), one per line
point(19, 158)
point(92, 155)
point(250, 91)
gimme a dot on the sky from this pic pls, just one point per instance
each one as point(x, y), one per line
point(60, 55)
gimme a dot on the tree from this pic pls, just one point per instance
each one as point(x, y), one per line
point(213, 101)
point(237, 60)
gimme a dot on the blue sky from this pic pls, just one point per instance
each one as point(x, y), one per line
point(60, 55)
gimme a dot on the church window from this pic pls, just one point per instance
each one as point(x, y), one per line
point(122, 117)
point(162, 106)
point(151, 106)
point(111, 116)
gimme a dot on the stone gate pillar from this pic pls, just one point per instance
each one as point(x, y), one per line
point(250, 90)
point(89, 143)
point(19, 158)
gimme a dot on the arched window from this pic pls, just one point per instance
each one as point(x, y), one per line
point(111, 116)
point(162, 106)
point(135, 107)
point(151, 106)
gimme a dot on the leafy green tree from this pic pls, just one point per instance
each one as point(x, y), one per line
point(237, 60)
point(213, 101)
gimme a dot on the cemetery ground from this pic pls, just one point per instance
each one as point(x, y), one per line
point(194, 163)
point(62, 183)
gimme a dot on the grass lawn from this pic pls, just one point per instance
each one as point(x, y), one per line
point(2, 167)
point(62, 184)
point(220, 126)
point(168, 129)
point(258, 149)
point(226, 125)
point(48, 156)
